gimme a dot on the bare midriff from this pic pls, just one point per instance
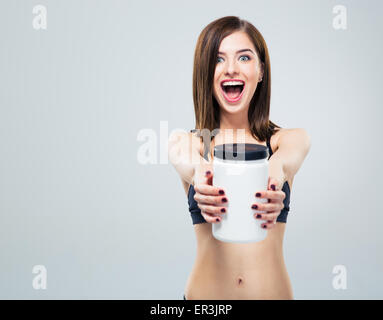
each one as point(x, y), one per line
point(242, 271)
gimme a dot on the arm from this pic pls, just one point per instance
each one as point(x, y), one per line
point(184, 152)
point(293, 147)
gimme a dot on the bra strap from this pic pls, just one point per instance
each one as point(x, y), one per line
point(269, 146)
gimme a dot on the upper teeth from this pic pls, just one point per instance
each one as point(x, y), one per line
point(232, 83)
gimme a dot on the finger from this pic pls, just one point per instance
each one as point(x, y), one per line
point(211, 209)
point(210, 218)
point(209, 190)
point(209, 177)
point(206, 199)
point(268, 225)
point(200, 175)
point(267, 216)
point(272, 195)
point(273, 184)
point(268, 206)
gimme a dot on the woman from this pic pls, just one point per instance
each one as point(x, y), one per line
point(231, 49)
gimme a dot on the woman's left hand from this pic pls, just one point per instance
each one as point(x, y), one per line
point(273, 207)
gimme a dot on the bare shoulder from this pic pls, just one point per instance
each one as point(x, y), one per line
point(291, 135)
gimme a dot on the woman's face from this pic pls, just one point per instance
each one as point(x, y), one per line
point(237, 60)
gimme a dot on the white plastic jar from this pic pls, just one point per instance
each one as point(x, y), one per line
point(241, 169)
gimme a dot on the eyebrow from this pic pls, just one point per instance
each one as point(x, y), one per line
point(239, 51)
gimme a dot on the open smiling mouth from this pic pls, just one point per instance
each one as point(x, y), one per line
point(232, 90)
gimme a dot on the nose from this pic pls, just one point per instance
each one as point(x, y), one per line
point(231, 67)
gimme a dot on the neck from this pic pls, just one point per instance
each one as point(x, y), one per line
point(235, 122)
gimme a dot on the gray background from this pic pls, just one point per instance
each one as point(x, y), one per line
point(74, 97)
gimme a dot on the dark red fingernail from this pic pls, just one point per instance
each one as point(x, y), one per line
point(217, 220)
point(259, 216)
point(208, 172)
point(257, 194)
point(223, 210)
point(254, 206)
point(264, 227)
point(221, 192)
point(224, 200)
point(273, 187)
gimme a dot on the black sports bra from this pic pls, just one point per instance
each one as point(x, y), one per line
point(195, 211)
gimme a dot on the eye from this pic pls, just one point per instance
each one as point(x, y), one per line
point(248, 58)
point(244, 56)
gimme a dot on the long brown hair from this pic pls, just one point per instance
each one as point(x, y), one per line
point(206, 107)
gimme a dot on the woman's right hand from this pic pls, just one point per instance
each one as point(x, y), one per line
point(210, 199)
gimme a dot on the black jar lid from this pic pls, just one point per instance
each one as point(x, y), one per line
point(241, 151)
